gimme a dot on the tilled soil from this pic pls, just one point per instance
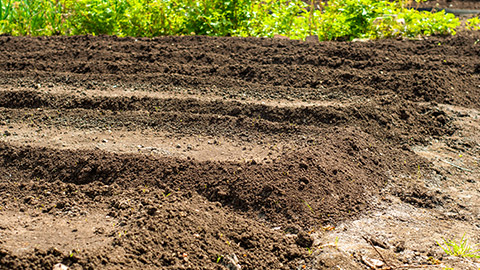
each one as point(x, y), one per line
point(211, 153)
point(466, 5)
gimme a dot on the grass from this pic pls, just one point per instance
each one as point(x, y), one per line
point(337, 20)
point(460, 249)
point(308, 205)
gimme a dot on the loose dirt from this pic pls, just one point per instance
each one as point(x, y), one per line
point(220, 153)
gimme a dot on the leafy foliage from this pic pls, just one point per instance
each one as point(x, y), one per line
point(349, 19)
point(336, 20)
point(473, 24)
point(30, 17)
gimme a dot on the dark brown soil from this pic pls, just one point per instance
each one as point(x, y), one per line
point(255, 143)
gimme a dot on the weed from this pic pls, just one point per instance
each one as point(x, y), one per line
point(419, 173)
point(473, 24)
point(309, 207)
point(460, 249)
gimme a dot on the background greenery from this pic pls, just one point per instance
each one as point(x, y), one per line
point(336, 20)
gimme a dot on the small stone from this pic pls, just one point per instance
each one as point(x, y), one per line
point(99, 230)
point(28, 200)
point(178, 146)
point(105, 141)
point(231, 262)
point(303, 180)
point(372, 263)
point(60, 266)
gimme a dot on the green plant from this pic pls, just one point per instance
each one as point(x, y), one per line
point(349, 19)
point(308, 205)
point(150, 19)
point(215, 17)
point(5, 9)
point(277, 17)
point(460, 249)
point(336, 20)
point(97, 16)
point(473, 24)
point(34, 17)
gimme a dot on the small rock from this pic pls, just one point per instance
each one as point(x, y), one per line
point(372, 263)
point(99, 230)
point(231, 262)
point(178, 146)
point(105, 141)
point(60, 266)
point(28, 200)
point(7, 133)
point(303, 180)
point(122, 223)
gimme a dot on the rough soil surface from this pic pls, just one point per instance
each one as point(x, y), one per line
point(215, 153)
point(457, 4)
